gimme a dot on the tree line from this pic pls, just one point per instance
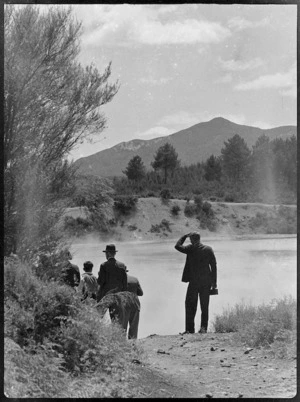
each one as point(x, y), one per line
point(265, 173)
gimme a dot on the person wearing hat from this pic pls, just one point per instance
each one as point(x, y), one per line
point(200, 271)
point(112, 273)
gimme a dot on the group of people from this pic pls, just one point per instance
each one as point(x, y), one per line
point(112, 278)
point(200, 272)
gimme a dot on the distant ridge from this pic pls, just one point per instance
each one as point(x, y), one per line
point(194, 144)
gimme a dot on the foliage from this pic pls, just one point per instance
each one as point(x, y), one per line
point(166, 158)
point(91, 191)
point(33, 372)
point(284, 220)
point(125, 204)
point(189, 209)
point(51, 103)
point(213, 168)
point(236, 158)
point(259, 325)
point(207, 208)
point(268, 175)
point(175, 209)
point(77, 226)
point(135, 169)
point(165, 194)
point(61, 337)
point(164, 225)
point(198, 200)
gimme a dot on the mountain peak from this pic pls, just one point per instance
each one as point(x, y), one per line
point(193, 145)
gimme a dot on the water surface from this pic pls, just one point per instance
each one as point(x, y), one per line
point(253, 270)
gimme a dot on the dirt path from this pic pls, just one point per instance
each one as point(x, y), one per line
point(212, 366)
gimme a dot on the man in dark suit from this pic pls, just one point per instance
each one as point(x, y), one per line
point(200, 271)
point(112, 273)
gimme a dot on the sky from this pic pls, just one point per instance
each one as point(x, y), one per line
point(182, 64)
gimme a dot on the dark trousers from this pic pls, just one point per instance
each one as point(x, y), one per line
point(191, 302)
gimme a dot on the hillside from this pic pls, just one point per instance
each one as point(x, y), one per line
point(233, 219)
point(194, 144)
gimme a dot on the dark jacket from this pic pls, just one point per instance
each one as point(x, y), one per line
point(200, 265)
point(70, 274)
point(111, 275)
point(133, 285)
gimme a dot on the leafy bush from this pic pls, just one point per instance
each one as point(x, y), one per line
point(175, 209)
point(132, 227)
point(33, 372)
point(60, 336)
point(229, 198)
point(189, 210)
point(77, 226)
point(259, 326)
point(57, 304)
point(284, 221)
point(125, 204)
point(165, 194)
point(198, 200)
point(164, 225)
point(206, 207)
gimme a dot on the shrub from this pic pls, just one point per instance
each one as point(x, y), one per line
point(259, 326)
point(77, 226)
point(175, 209)
point(198, 200)
point(165, 194)
point(57, 304)
point(33, 372)
point(155, 228)
point(125, 204)
point(189, 210)
point(60, 336)
point(197, 191)
point(164, 225)
point(132, 227)
point(206, 207)
point(229, 198)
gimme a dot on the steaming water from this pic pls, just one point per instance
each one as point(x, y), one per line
point(252, 270)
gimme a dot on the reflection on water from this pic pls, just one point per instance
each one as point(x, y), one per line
point(253, 271)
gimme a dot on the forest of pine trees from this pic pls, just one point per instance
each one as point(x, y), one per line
point(265, 173)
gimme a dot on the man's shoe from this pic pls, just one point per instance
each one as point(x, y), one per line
point(185, 332)
point(202, 331)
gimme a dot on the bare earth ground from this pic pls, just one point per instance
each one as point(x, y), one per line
point(211, 365)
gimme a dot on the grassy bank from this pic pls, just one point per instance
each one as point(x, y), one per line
point(57, 346)
point(271, 325)
point(153, 218)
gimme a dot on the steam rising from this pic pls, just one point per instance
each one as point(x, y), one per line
point(251, 270)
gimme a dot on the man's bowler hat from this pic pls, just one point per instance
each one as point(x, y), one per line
point(110, 248)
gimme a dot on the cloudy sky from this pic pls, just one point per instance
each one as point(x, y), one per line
point(179, 65)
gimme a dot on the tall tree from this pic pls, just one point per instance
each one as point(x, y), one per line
point(236, 158)
point(212, 168)
point(285, 161)
point(166, 158)
point(135, 169)
point(51, 103)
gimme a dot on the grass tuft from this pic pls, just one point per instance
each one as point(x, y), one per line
point(263, 325)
